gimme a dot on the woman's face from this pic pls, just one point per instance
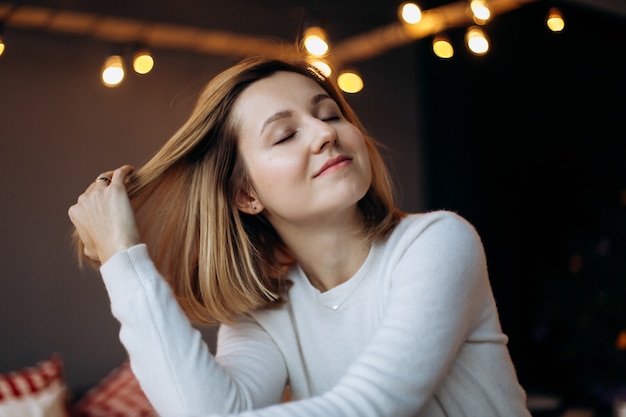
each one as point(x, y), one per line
point(306, 161)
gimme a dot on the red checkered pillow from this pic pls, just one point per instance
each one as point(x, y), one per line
point(117, 395)
point(37, 391)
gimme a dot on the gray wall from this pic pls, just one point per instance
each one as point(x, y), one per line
point(60, 127)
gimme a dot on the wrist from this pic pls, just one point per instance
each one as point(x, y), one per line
point(109, 252)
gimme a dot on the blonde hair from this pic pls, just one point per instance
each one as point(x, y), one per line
point(222, 263)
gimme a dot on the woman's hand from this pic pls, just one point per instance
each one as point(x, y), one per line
point(104, 217)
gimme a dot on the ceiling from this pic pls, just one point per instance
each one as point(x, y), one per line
point(359, 28)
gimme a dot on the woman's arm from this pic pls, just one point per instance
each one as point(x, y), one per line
point(173, 365)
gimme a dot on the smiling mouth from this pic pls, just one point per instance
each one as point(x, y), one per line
point(331, 163)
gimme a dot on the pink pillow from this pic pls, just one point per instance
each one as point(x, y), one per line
point(117, 395)
point(37, 391)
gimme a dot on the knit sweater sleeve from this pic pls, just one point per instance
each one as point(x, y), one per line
point(168, 356)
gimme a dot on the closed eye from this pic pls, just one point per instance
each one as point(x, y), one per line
point(286, 138)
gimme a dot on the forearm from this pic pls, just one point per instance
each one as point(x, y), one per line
point(169, 358)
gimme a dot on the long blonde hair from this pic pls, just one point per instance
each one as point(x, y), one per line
point(222, 263)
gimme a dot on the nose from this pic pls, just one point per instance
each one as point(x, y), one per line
point(324, 136)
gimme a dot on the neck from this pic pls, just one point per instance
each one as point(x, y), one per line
point(329, 252)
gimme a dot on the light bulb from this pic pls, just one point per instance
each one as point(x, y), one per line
point(410, 13)
point(480, 11)
point(350, 82)
point(442, 47)
point(2, 46)
point(322, 67)
point(143, 61)
point(315, 42)
point(113, 71)
point(555, 20)
point(476, 40)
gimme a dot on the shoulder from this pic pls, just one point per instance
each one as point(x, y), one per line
point(434, 248)
point(433, 223)
point(432, 236)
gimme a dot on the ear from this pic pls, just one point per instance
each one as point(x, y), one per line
point(248, 203)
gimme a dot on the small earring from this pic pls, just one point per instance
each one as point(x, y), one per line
point(254, 208)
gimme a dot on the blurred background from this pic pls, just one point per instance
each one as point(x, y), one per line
point(526, 140)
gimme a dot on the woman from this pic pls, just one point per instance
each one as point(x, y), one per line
point(270, 212)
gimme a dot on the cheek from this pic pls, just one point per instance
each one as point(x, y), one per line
point(367, 166)
point(360, 147)
point(275, 174)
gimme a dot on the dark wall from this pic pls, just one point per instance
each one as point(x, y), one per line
point(529, 143)
point(60, 127)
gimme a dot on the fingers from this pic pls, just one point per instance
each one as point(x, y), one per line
point(119, 175)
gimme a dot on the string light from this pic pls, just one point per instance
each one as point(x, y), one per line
point(113, 70)
point(555, 21)
point(349, 81)
point(410, 13)
point(442, 47)
point(316, 45)
point(476, 40)
point(142, 61)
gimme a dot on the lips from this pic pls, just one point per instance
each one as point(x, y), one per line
point(331, 163)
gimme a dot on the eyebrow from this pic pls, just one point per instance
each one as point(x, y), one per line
point(287, 113)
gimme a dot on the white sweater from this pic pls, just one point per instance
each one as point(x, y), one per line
point(414, 333)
